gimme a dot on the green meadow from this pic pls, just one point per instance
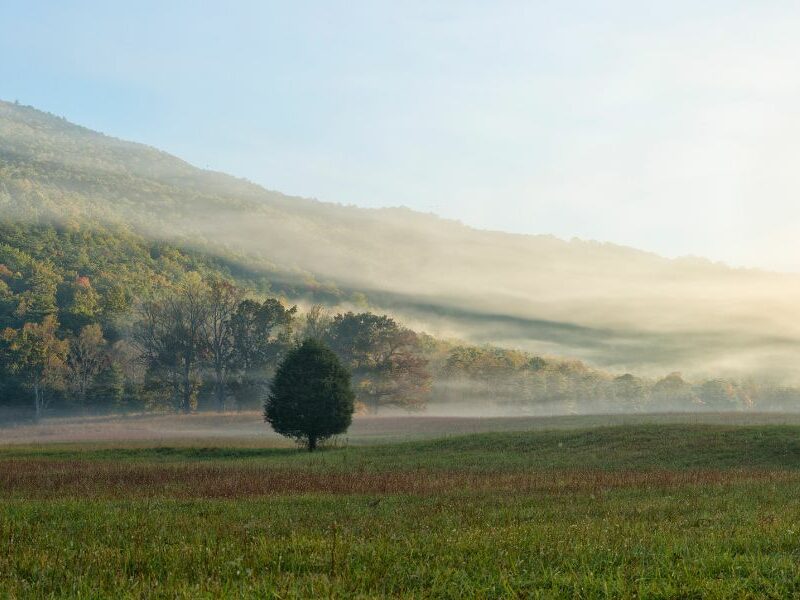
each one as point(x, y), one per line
point(636, 511)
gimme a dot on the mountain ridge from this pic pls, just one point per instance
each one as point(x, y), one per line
point(260, 189)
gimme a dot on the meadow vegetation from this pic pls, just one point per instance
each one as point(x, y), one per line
point(622, 511)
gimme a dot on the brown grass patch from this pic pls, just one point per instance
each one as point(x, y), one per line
point(37, 478)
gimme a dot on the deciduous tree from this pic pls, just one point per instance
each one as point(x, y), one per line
point(262, 334)
point(170, 336)
point(223, 298)
point(36, 355)
point(385, 359)
point(85, 360)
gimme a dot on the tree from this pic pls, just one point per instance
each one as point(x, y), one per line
point(310, 399)
point(8, 302)
point(490, 370)
point(153, 336)
point(630, 390)
point(262, 333)
point(39, 301)
point(317, 323)
point(385, 359)
point(223, 299)
point(36, 355)
point(115, 301)
point(188, 311)
point(170, 339)
point(86, 359)
point(673, 391)
point(718, 394)
point(82, 304)
point(107, 391)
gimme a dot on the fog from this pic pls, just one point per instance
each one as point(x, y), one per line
point(612, 306)
point(248, 429)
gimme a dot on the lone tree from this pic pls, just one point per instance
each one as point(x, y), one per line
point(310, 399)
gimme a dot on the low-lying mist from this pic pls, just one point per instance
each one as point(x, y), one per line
point(613, 307)
point(247, 429)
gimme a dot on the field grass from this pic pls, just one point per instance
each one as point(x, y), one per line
point(644, 510)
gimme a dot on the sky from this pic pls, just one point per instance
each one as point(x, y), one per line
point(668, 126)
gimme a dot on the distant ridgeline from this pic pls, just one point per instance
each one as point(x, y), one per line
point(132, 281)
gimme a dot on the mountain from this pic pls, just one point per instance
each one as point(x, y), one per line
point(612, 306)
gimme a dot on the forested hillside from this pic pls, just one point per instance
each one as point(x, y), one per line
point(610, 305)
point(99, 235)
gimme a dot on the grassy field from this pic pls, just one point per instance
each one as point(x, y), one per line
point(637, 510)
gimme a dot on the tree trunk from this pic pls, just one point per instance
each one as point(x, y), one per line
point(312, 443)
point(219, 389)
point(176, 391)
point(186, 399)
point(37, 402)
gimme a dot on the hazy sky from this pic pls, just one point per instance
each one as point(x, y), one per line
point(669, 126)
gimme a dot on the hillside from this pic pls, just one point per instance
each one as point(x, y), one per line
point(612, 306)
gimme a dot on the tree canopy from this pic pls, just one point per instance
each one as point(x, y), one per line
point(310, 398)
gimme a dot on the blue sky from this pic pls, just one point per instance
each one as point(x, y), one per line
point(669, 126)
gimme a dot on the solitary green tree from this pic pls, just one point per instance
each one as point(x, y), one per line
point(310, 398)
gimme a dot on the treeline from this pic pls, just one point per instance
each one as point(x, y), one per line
point(524, 383)
point(205, 344)
point(201, 343)
point(93, 317)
